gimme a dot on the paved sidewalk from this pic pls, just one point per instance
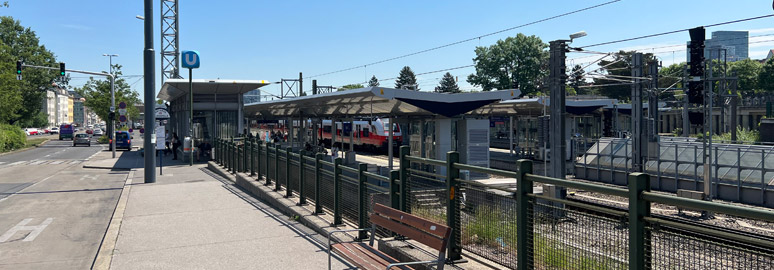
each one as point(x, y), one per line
point(192, 219)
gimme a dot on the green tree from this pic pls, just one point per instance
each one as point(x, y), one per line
point(350, 86)
point(620, 67)
point(20, 101)
point(406, 78)
point(747, 71)
point(448, 84)
point(97, 95)
point(516, 62)
point(576, 79)
point(373, 82)
point(766, 76)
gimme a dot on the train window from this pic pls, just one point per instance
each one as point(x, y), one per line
point(327, 129)
point(365, 132)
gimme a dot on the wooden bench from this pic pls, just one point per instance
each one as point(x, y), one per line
point(365, 256)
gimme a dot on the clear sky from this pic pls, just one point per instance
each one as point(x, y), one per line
point(270, 40)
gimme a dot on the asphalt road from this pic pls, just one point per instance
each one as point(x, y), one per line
point(53, 212)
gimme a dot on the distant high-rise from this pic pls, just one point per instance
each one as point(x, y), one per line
point(253, 96)
point(735, 45)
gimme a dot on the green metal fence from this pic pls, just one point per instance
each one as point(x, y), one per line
point(517, 228)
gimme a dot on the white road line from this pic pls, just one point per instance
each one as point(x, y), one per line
point(57, 162)
point(1, 162)
point(74, 162)
point(37, 162)
point(17, 163)
point(22, 226)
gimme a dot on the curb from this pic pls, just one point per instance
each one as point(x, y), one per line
point(106, 168)
point(107, 246)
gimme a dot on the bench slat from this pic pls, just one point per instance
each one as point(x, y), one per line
point(365, 256)
point(408, 231)
point(437, 229)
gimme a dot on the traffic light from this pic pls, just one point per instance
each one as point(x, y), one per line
point(18, 67)
point(696, 66)
point(111, 116)
point(61, 69)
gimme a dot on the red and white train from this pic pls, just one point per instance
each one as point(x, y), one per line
point(372, 135)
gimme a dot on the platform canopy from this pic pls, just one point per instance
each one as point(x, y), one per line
point(176, 88)
point(535, 106)
point(377, 101)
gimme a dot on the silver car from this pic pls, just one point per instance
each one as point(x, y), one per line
point(82, 138)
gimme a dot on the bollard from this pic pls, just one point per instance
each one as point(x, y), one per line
point(336, 192)
point(524, 238)
point(301, 180)
point(394, 189)
point(234, 157)
point(362, 208)
point(453, 207)
point(244, 155)
point(639, 237)
point(405, 164)
point(288, 190)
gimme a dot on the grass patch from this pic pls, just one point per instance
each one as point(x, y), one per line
point(433, 214)
point(34, 142)
point(490, 226)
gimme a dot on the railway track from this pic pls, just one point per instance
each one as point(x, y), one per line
point(684, 232)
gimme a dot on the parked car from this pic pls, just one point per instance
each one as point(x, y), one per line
point(31, 131)
point(82, 138)
point(98, 132)
point(66, 131)
point(123, 141)
point(54, 130)
point(46, 131)
point(89, 131)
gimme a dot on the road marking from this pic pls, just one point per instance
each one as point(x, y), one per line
point(17, 163)
point(57, 162)
point(47, 156)
point(1, 162)
point(22, 226)
point(37, 162)
point(86, 176)
point(74, 162)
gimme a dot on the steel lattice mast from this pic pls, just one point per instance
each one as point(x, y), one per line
point(170, 44)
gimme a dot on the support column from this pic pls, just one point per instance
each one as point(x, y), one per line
point(558, 109)
point(510, 134)
point(637, 123)
point(389, 143)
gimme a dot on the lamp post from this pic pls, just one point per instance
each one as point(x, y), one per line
point(111, 132)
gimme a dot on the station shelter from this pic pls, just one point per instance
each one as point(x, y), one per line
point(217, 107)
point(437, 122)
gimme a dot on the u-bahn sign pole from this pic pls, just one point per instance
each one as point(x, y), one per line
point(190, 61)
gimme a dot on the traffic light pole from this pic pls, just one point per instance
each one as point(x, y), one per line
point(112, 94)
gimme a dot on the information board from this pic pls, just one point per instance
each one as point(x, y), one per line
point(160, 138)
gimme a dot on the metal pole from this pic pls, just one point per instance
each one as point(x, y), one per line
point(637, 123)
point(190, 120)
point(113, 109)
point(150, 91)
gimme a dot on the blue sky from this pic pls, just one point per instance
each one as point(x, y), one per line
point(270, 40)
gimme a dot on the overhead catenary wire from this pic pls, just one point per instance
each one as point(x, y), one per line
point(464, 40)
point(674, 31)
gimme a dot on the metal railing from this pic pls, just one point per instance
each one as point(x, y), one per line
point(738, 172)
point(517, 228)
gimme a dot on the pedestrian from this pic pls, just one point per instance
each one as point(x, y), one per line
point(167, 142)
point(175, 145)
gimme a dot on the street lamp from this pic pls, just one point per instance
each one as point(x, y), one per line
point(111, 132)
point(577, 35)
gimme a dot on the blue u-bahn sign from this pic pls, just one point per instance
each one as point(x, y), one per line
point(190, 59)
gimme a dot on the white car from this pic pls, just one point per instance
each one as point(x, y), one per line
point(31, 131)
point(98, 132)
point(54, 131)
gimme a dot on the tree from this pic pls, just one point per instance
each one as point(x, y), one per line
point(97, 95)
point(350, 86)
point(516, 62)
point(747, 71)
point(406, 78)
point(621, 68)
point(448, 84)
point(20, 101)
point(766, 76)
point(577, 78)
point(373, 82)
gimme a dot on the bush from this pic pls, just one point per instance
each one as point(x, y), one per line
point(11, 137)
point(102, 139)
